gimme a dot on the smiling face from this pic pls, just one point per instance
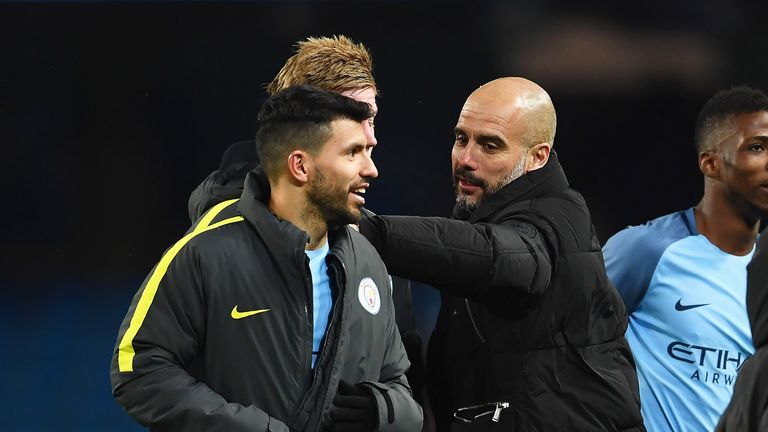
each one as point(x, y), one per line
point(342, 171)
point(743, 153)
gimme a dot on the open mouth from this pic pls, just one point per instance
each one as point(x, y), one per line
point(359, 192)
point(467, 185)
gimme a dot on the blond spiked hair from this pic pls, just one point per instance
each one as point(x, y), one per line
point(332, 63)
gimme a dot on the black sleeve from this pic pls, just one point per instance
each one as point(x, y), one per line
point(482, 262)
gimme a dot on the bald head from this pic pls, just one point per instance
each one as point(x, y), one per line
point(519, 104)
point(505, 130)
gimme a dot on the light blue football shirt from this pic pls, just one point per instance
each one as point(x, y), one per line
point(688, 325)
point(321, 297)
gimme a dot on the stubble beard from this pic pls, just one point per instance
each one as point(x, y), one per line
point(470, 204)
point(330, 203)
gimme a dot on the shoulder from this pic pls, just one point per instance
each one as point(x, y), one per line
point(220, 234)
point(358, 242)
point(650, 239)
point(359, 256)
point(562, 208)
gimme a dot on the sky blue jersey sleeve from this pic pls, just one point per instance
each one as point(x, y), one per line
point(632, 254)
point(630, 262)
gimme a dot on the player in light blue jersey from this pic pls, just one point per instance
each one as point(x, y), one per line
point(683, 276)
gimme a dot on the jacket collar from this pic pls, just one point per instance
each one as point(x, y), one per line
point(282, 237)
point(544, 181)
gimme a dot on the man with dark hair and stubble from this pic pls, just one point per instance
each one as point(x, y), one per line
point(271, 313)
point(332, 63)
point(344, 66)
point(683, 276)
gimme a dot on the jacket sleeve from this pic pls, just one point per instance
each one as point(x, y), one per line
point(158, 341)
point(484, 262)
point(397, 409)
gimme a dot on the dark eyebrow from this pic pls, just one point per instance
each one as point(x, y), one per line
point(358, 145)
point(763, 139)
point(497, 139)
point(484, 138)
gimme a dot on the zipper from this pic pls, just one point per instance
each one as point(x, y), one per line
point(307, 311)
point(310, 340)
point(465, 414)
point(497, 412)
point(339, 275)
point(472, 319)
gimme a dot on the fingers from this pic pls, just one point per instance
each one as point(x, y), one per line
point(346, 388)
point(354, 402)
point(345, 427)
point(343, 415)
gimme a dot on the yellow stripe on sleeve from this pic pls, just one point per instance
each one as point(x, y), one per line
point(125, 351)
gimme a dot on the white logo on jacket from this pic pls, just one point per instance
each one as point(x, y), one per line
point(368, 294)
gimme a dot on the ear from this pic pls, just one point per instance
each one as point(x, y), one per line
point(299, 164)
point(710, 164)
point(539, 155)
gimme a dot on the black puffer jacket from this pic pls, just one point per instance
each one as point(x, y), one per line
point(528, 316)
point(748, 410)
point(219, 337)
point(227, 183)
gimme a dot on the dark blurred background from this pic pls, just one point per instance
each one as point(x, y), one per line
point(112, 113)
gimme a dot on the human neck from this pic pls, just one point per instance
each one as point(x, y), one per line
point(289, 203)
point(723, 224)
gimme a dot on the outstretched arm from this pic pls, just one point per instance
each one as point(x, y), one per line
point(483, 262)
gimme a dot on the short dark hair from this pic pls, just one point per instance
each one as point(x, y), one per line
point(723, 105)
point(300, 117)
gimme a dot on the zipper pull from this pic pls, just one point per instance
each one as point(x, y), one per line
point(497, 413)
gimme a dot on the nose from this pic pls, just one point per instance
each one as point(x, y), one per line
point(464, 156)
point(370, 136)
point(369, 169)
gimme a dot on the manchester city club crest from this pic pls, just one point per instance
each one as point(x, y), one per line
point(369, 297)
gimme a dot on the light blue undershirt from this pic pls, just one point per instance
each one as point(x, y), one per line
point(321, 297)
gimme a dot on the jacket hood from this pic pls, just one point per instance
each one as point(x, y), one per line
point(757, 292)
point(226, 182)
point(545, 180)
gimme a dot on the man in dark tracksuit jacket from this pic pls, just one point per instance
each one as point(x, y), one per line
point(530, 334)
point(341, 65)
point(227, 182)
point(748, 410)
point(220, 336)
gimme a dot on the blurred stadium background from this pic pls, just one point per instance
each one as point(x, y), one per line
point(113, 112)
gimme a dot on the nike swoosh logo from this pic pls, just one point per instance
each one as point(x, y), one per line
point(236, 314)
point(681, 307)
